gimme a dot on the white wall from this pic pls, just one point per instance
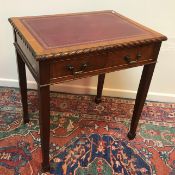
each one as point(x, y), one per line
point(157, 14)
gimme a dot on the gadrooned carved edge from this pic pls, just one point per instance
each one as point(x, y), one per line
point(22, 37)
point(105, 49)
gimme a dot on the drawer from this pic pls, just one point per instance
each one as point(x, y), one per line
point(93, 64)
point(131, 56)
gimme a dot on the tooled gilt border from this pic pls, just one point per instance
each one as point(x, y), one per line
point(85, 50)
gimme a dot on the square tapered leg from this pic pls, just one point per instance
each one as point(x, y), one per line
point(141, 97)
point(44, 122)
point(101, 79)
point(23, 86)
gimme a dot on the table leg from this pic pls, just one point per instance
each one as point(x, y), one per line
point(141, 97)
point(23, 86)
point(101, 78)
point(44, 122)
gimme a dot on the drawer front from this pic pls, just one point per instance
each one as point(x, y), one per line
point(131, 56)
point(93, 64)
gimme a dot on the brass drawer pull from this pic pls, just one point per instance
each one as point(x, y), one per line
point(82, 69)
point(138, 56)
point(129, 60)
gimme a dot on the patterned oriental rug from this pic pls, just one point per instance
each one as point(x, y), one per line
point(86, 138)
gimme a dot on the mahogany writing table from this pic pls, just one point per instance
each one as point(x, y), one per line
point(59, 48)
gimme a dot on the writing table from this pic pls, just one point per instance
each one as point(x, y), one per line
point(60, 48)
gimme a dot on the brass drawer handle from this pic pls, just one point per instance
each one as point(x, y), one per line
point(139, 55)
point(74, 73)
point(129, 60)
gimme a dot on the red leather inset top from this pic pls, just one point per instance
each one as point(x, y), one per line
point(69, 30)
